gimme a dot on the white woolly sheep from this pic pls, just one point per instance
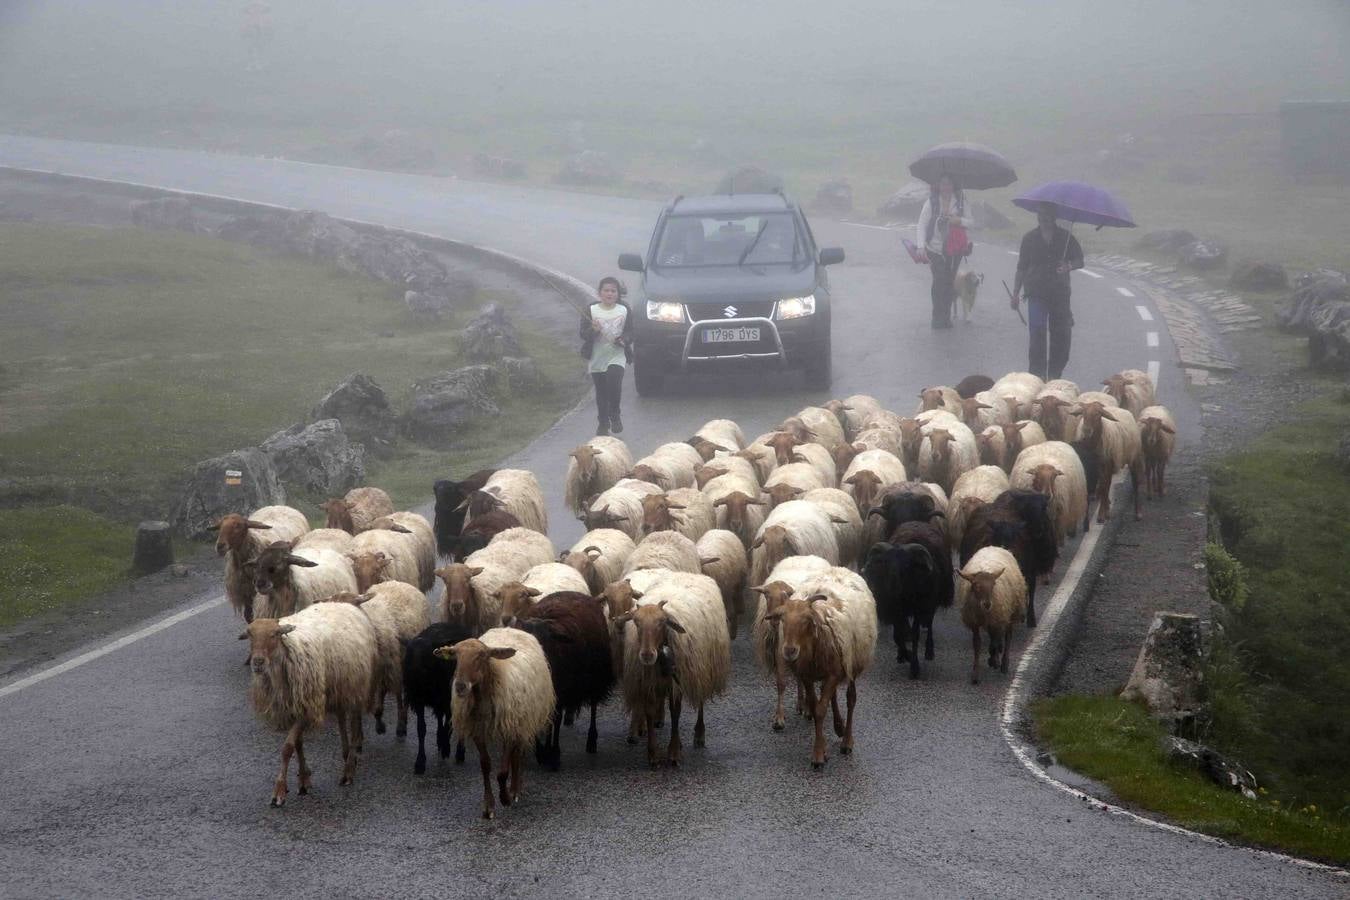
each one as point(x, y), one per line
point(1112, 435)
point(1017, 436)
point(503, 694)
point(737, 506)
point(378, 556)
point(870, 472)
point(723, 559)
point(981, 411)
point(815, 425)
point(676, 649)
point(1054, 468)
point(594, 467)
point(765, 634)
point(685, 510)
point(420, 538)
point(1061, 386)
point(1157, 437)
point(828, 637)
point(791, 481)
point(727, 464)
point(847, 521)
point(941, 397)
point(600, 556)
point(334, 539)
point(819, 459)
point(794, 528)
point(664, 550)
point(762, 457)
point(515, 491)
point(516, 597)
point(355, 512)
point(853, 411)
point(319, 662)
point(1017, 381)
point(1130, 394)
point(471, 586)
point(879, 437)
point(620, 507)
point(398, 612)
point(668, 468)
point(718, 435)
point(947, 451)
point(288, 580)
point(974, 488)
point(1052, 413)
point(1101, 397)
point(240, 539)
point(991, 595)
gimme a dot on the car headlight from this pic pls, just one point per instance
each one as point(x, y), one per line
point(797, 307)
point(665, 311)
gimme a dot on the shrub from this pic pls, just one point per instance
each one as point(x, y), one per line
point(1227, 580)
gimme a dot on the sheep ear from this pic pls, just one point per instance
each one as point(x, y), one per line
point(720, 501)
point(621, 619)
point(979, 405)
point(1075, 412)
point(966, 577)
point(838, 521)
point(674, 506)
point(876, 511)
point(243, 635)
point(709, 560)
point(755, 502)
point(852, 479)
point(400, 529)
point(1021, 425)
point(1106, 414)
point(300, 561)
point(285, 629)
point(674, 626)
point(532, 592)
point(501, 652)
point(937, 513)
point(774, 616)
point(998, 574)
point(475, 571)
point(816, 598)
point(1168, 428)
point(758, 589)
point(759, 542)
point(252, 524)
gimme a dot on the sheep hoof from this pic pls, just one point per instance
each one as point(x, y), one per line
point(817, 765)
point(420, 767)
point(632, 739)
point(778, 726)
point(346, 780)
point(847, 751)
point(401, 731)
point(487, 814)
point(278, 801)
point(304, 789)
point(974, 679)
point(379, 726)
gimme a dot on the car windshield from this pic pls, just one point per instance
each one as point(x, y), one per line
point(722, 240)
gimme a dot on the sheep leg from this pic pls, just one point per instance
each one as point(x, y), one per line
point(400, 730)
point(485, 766)
point(636, 726)
point(568, 718)
point(847, 746)
point(459, 752)
point(780, 681)
point(1031, 602)
point(555, 748)
point(928, 640)
point(674, 750)
point(358, 733)
point(1135, 473)
point(699, 733)
point(420, 764)
point(287, 750)
point(838, 717)
point(377, 708)
point(1103, 497)
point(1007, 641)
point(898, 632)
point(975, 646)
point(443, 734)
point(994, 638)
point(649, 717)
point(305, 774)
point(915, 626)
point(826, 695)
point(592, 734)
point(1162, 479)
point(504, 776)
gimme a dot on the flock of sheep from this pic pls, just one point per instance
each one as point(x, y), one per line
point(844, 517)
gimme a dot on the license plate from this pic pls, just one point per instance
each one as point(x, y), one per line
point(735, 335)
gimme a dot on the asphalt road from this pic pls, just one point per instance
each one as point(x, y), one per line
point(143, 772)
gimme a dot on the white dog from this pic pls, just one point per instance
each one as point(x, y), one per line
point(967, 285)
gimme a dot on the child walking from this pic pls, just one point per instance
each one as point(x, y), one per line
point(606, 338)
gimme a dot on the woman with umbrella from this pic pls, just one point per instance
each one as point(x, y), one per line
point(941, 232)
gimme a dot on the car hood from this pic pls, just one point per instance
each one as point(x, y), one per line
point(718, 284)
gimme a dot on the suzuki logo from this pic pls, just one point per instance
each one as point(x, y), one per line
point(730, 312)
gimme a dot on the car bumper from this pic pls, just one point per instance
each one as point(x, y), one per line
point(787, 344)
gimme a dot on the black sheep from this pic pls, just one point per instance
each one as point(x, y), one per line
point(482, 529)
point(971, 385)
point(900, 506)
point(450, 508)
point(426, 682)
point(910, 575)
point(1092, 471)
point(574, 634)
point(1039, 549)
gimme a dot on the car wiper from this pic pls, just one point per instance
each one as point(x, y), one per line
point(763, 226)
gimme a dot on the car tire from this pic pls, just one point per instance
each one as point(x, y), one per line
point(819, 375)
point(646, 377)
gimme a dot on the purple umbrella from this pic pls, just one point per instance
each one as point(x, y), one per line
point(1076, 201)
point(973, 167)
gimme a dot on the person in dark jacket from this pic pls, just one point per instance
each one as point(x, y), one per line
point(1049, 253)
point(606, 342)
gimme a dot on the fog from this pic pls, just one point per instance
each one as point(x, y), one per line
point(803, 86)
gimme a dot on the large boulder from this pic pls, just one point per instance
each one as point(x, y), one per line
point(166, 214)
point(749, 180)
point(1221, 770)
point(489, 336)
point(1320, 308)
point(522, 375)
point(988, 216)
point(906, 203)
point(360, 404)
point(835, 196)
point(1168, 241)
point(1203, 255)
point(589, 167)
point(1168, 675)
point(317, 459)
point(497, 166)
point(447, 402)
point(239, 482)
point(1259, 276)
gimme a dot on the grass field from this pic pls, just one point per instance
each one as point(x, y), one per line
point(128, 356)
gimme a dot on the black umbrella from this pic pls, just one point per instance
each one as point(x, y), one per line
point(974, 167)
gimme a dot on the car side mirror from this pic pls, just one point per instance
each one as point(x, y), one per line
point(631, 262)
point(829, 256)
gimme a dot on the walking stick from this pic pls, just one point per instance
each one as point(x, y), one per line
point(1016, 309)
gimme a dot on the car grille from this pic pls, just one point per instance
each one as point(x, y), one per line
point(712, 312)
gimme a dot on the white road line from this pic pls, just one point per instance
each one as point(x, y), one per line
point(1014, 702)
point(1151, 338)
point(865, 225)
point(1089, 273)
point(1144, 313)
point(1153, 368)
point(118, 644)
point(1012, 253)
point(1124, 292)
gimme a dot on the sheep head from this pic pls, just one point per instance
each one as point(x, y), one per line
point(232, 531)
point(781, 493)
point(274, 567)
point(803, 624)
point(794, 426)
point(737, 504)
point(339, 514)
point(931, 398)
point(982, 587)
point(845, 453)
point(349, 597)
point(776, 594)
point(460, 605)
point(706, 448)
point(654, 626)
point(646, 472)
point(866, 485)
point(782, 443)
point(264, 638)
point(602, 518)
point(1115, 386)
point(657, 513)
point(777, 543)
point(1151, 431)
point(970, 410)
point(1043, 478)
point(987, 443)
point(619, 598)
point(387, 523)
point(707, 472)
point(839, 410)
point(1090, 416)
point(911, 436)
point(907, 506)
point(369, 568)
point(583, 561)
point(941, 439)
point(473, 664)
point(517, 600)
point(585, 457)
